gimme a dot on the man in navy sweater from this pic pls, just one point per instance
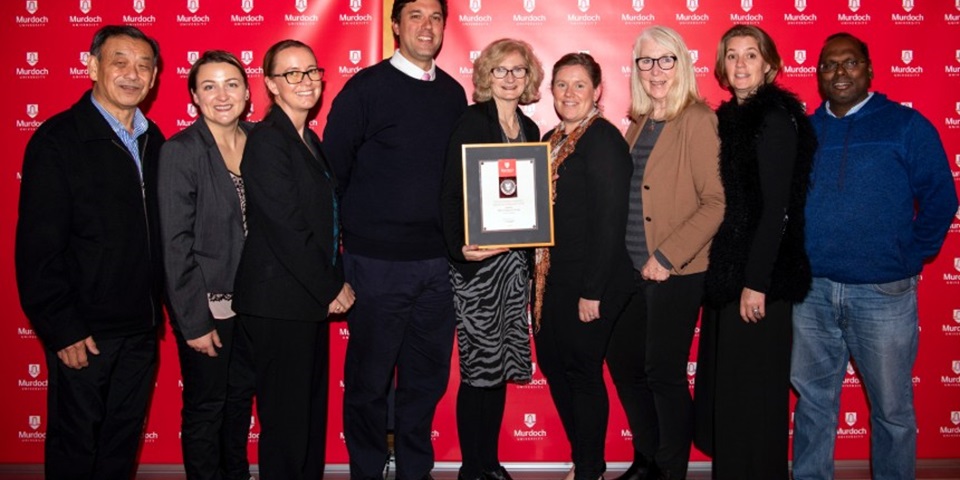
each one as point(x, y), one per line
point(386, 137)
point(880, 201)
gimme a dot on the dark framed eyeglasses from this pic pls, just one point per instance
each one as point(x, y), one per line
point(665, 62)
point(294, 77)
point(501, 72)
point(848, 65)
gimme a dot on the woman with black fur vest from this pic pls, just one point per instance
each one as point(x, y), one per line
point(758, 268)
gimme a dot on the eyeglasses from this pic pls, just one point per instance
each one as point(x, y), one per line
point(848, 65)
point(294, 77)
point(501, 72)
point(665, 62)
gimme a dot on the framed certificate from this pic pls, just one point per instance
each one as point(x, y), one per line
point(507, 195)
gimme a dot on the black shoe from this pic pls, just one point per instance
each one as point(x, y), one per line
point(498, 474)
point(641, 469)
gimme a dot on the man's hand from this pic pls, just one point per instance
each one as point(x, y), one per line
point(344, 300)
point(206, 343)
point(75, 356)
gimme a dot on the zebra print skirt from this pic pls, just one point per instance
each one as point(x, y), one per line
point(493, 328)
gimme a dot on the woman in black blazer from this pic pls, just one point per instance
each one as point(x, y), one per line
point(202, 224)
point(585, 280)
point(290, 277)
point(491, 287)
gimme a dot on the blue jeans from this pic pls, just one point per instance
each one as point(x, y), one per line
point(876, 324)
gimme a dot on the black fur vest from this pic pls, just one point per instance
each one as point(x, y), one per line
point(740, 128)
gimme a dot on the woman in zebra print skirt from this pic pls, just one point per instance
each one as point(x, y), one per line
point(491, 286)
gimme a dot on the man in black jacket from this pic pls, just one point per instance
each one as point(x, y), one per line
point(88, 266)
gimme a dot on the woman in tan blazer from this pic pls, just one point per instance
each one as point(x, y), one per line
point(676, 205)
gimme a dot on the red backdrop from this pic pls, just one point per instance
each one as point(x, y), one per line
point(915, 46)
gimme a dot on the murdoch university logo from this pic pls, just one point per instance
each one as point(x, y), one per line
point(193, 5)
point(474, 55)
point(850, 370)
point(800, 56)
point(955, 366)
point(800, 5)
point(637, 5)
point(850, 418)
point(354, 5)
point(193, 56)
point(34, 370)
point(955, 417)
point(34, 421)
point(139, 6)
point(854, 5)
point(746, 5)
point(529, 419)
point(32, 58)
point(253, 421)
point(301, 5)
point(906, 56)
point(694, 56)
point(956, 260)
point(85, 6)
point(246, 6)
point(908, 5)
point(691, 368)
point(32, 6)
point(583, 5)
point(33, 109)
point(84, 57)
point(192, 110)
point(355, 56)
point(246, 57)
point(693, 5)
point(529, 5)
point(475, 6)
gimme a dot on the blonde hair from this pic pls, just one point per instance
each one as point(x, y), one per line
point(492, 55)
point(684, 91)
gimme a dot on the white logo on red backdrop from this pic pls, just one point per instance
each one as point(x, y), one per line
point(32, 110)
point(193, 5)
point(34, 370)
point(301, 5)
point(246, 57)
point(957, 160)
point(246, 6)
point(958, 218)
point(956, 311)
point(691, 368)
point(957, 4)
point(956, 260)
point(906, 56)
point(192, 110)
point(85, 6)
point(32, 58)
point(908, 5)
point(529, 419)
point(693, 5)
point(475, 6)
point(34, 421)
point(958, 108)
point(32, 6)
point(354, 5)
point(474, 55)
point(193, 56)
point(637, 5)
point(800, 5)
point(533, 365)
point(355, 56)
point(854, 5)
point(84, 57)
point(955, 417)
point(583, 5)
point(746, 5)
point(694, 56)
point(850, 418)
point(139, 6)
point(530, 110)
point(800, 56)
point(529, 5)
point(252, 422)
point(850, 370)
point(955, 366)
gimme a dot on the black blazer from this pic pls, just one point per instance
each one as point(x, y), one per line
point(87, 255)
point(590, 216)
point(478, 124)
point(290, 266)
point(201, 226)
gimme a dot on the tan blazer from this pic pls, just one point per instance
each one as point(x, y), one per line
point(683, 198)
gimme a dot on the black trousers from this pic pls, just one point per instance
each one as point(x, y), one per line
point(215, 418)
point(291, 361)
point(401, 326)
point(571, 354)
point(479, 418)
point(648, 359)
point(95, 415)
point(743, 392)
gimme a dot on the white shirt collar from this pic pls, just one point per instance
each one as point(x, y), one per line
point(856, 108)
point(408, 68)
